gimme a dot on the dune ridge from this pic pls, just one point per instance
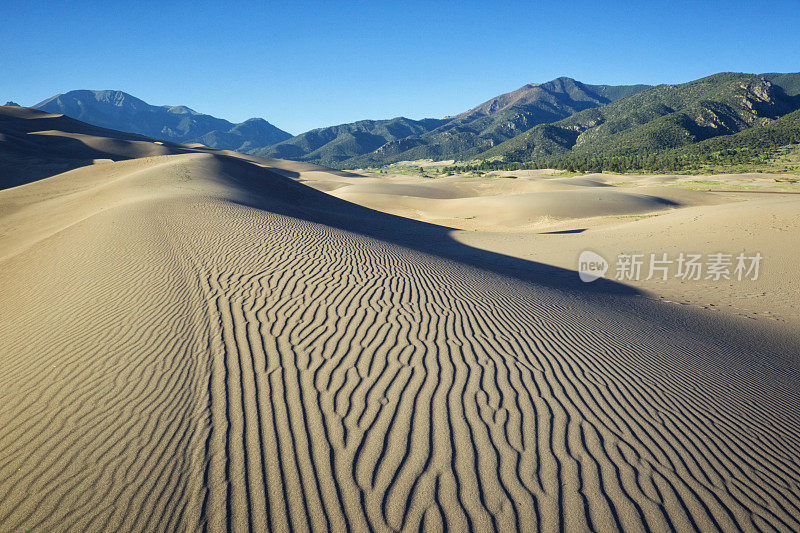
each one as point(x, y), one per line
point(199, 342)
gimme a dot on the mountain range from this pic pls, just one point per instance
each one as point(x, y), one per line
point(659, 118)
point(562, 118)
point(501, 118)
point(120, 111)
point(568, 119)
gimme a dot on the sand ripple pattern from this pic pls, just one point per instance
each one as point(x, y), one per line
point(260, 371)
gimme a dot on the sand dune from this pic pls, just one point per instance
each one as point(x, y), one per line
point(501, 203)
point(517, 210)
point(550, 219)
point(196, 340)
point(36, 144)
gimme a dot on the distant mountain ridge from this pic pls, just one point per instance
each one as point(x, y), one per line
point(789, 82)
point(560, 92)
point(335, 144)
point(660, 118)
point(562, 117)
point(497, 120)
point(121, 111)
point(378, 142)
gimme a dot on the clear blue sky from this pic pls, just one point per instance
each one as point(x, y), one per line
point(303, 65)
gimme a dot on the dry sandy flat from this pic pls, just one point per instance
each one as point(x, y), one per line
point(768, 224)
point(195, 340)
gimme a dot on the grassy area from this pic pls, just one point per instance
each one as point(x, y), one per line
point(412, 170)
point(702, 182)
point(635, 217)
point(783, 160)
point(743, 184)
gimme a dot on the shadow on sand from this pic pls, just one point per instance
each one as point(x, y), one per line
point(272, 190)
point(563, 231)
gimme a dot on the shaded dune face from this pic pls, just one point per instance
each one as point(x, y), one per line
point(232, 350)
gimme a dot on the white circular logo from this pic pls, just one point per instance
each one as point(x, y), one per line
point(591, 266)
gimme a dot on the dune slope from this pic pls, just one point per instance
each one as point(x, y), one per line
point(193, 341)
